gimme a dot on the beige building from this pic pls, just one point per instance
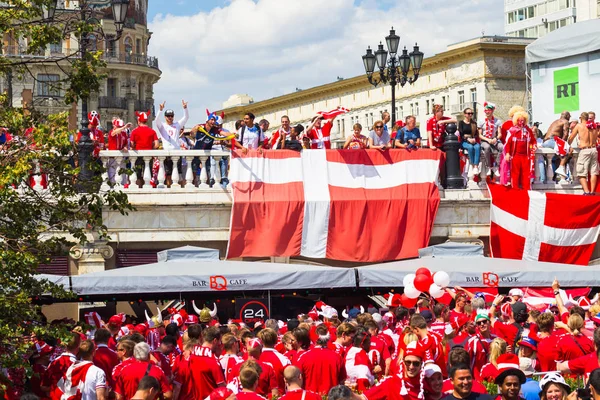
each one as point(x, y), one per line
point(132, 72)
point(489, 68)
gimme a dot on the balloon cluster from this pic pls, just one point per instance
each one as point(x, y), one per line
point(423, 281)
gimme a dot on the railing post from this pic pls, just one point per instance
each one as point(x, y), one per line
point(203, 174)
point(161, 173)
point(175, 173)
point(147, 172)
point(189, 173)
point(133, 177)
point(105, 179)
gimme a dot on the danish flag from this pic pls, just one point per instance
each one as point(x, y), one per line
point(354, 205)
point(536, 226)
point(561, 147)
point(333, 113)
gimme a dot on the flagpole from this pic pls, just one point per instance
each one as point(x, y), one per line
point(269, 301)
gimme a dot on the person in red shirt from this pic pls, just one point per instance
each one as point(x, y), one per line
point(547, 339)
point(206, 373)
point(436, 127)
point(574, 344)
point(249, 377)
point(379, 353)
point(272, 357)
point(58, 368)
point(517, 151)
point(267, 382)
point(230, 359)
point(516, 326)
point(40, 360)
point(584, 364)
point(125, 355)
point(128, 380)
point(321, 367)
point(429, 345)
point(290, 345)
point(280, 134)
point(489, 372)
point(407, 383)
point(344, 333)
point(293, 385)
point(105, 358)
point(460, 301)
point(143, 137)
point(319, 133)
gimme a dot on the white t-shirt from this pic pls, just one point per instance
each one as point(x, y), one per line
point(252, 137)
point(95, 379)
point(170, 133)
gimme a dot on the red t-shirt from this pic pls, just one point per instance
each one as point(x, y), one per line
point(507, 332)
point(56, 370)
point(298, 393)
point(118, 141)
point(163, 363)
point(570, 347)
point(207, 374)
point(322, 369)
point(291, 355)
point(278, 362)
point(489, 372)
point(379, 351)
point(106, 359)
point(267, 381)
point(127, 382)
point(439, 327)
point(228, 362)
point(390, 388)
point(143, 137)
point(249, 396)
point(321, 138)
point(584, 365)
point(182, 374)
point(437, 131)
point(338, 348)
point(547, 353)
point(478, 355)
point(119, 367)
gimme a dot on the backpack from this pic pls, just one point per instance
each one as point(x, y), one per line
point(260, 134)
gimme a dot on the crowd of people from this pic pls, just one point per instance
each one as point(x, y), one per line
point(422, 351)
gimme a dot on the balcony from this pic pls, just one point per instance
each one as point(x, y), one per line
point(144, 105)
point(119, 103)
point(127, 58)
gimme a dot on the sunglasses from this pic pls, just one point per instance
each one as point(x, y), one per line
point(482, 322)
point(469, 113)
point(409, 363)
point(169, 116)
point(379, 127)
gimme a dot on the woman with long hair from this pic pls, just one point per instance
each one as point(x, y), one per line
point(489, 372)
point(554, 387)
point(469, 136)
point(574, 344)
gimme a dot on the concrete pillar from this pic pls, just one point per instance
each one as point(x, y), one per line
point(92, 256)
point(130, 117)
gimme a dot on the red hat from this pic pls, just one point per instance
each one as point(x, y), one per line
point(118, 123)
point(177, 319)
point(506, 309)
point(141, 328)
point(93, 318)
point(143, 116)
point(183, 314)
point(191, 319)
point(413, 349)
point(124, 331)
point(584, 303)
point(117, 320)
point(459, 322)
point(221, 393)
point(508, 365)
point(94, 118)
point(41, 349)
point(393, 300)
point(254, 343)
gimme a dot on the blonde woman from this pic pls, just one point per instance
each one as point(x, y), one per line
point(489, 372)
point(378, 137)
point(574, 344)
point(554, 387)
point(409, 337)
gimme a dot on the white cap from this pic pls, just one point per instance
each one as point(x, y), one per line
point(377, 318)
point(430, 368)
point(328, 312)
point(526, 365)
point(515, 292)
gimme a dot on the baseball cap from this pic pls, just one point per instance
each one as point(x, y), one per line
point(169, 113)
point(518, 307)
point(526, 365)
point(515, 292)
point(427, 315)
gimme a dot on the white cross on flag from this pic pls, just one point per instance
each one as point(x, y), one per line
point(537, 226)
point(354, 205)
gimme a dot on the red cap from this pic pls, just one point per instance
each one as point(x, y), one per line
point(413, 349)
point(254, 343)
point(117, 320)
point(141, 328)
point(41, 349)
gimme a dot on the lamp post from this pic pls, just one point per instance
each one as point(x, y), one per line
point(86, 144)
point(395, 69)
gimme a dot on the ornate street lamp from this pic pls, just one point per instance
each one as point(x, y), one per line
point(394, 70)
point(119, 11)
point(49, 10)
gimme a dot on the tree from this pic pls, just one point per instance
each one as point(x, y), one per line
point(35, 224)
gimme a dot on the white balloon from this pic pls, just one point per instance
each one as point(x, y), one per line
point(409, 280)
point(435, 291)
point(411, 292)
point(441, 278)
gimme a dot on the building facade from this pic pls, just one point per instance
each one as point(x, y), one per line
point(535, 18)
point(131, 71)
point(467, 74)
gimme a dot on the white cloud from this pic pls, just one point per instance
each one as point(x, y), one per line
point(267, 48)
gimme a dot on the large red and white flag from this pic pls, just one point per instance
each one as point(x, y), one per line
point(541, 298)
point(537, 226)
point(354, 205)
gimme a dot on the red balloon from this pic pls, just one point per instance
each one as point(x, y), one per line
point(423, 282)
point(423, 271)
point(408, 303)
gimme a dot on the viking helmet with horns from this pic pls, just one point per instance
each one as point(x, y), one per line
point(205, 315)
point(155, 321)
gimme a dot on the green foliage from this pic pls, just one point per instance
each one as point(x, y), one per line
point(37, 224)
point(491, 388)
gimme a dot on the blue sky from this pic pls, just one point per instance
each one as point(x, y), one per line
point(209, 50)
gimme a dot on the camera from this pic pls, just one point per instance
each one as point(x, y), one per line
point(537, 124)
point(584, 394)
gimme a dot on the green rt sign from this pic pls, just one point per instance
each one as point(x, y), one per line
point(566, 90)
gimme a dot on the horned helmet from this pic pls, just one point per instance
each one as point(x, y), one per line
point(205, 315)
point(155, 321)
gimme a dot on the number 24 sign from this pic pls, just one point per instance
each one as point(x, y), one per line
point(252, 310)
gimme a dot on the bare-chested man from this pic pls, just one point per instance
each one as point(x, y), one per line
point(587, 162)
point(559, 128)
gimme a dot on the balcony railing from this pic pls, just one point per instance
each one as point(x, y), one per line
point(113, 102)
point(127, 58)
point(111, 57)
point(144, 105)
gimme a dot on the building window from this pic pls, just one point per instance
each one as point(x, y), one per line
point(400, 113)
point(412, 109)
point(343, 125)
point(371, 122)
point(444, 102)
point(48, 85)
point(521, 14)
point(427, 107)
point(461, 99)
point(55, 48)
point(111, 45)
point(417, 108)
point(473, 95)
point(138, 46)
point(531, 12)
point(111, 87)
